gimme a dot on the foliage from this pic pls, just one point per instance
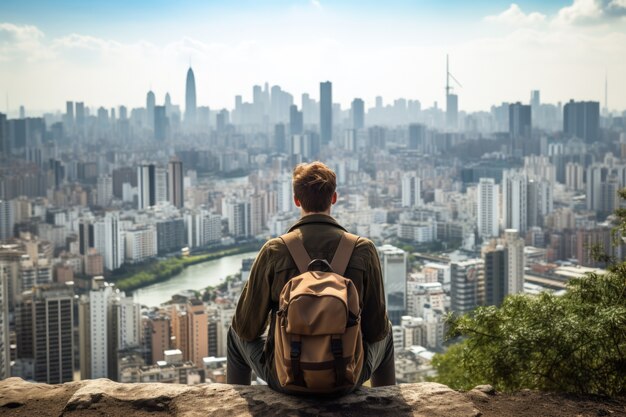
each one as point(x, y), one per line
point(572, 343)
point(575, 342)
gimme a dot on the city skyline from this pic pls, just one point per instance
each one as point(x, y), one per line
point(498, 50)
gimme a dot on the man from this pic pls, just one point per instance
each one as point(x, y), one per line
point(314, 188)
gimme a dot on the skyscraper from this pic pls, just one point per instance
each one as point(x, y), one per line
point(520, 121)
point(80, 116)
point(280, 139)
point(452, 111)
point(146, 184)
point(44, 327)
point(296, 121)
point(326, 111)
point(68, 119)
point(190, 100)
point(581, 119)
point(161, 123)
point(175, 182)
point(488, 208)
point(358, 113)
point(150, 103)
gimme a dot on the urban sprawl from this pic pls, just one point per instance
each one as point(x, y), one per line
point(465, 208)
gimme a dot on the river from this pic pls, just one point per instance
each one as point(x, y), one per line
point(195, 277)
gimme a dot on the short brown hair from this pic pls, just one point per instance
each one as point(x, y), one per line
point(314, 185)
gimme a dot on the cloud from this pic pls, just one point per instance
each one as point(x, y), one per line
point(316, 3)
point(21, 42)
point(591, 12)
point(515, 16)
point(580, 12)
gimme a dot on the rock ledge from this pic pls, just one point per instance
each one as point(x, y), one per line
point(103, 397)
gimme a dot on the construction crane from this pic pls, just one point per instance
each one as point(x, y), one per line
point(448, 76)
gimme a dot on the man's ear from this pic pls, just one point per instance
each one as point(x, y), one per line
point(333, 199)
point(296, 201)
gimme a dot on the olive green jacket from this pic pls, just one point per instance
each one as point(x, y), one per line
point(274, 266)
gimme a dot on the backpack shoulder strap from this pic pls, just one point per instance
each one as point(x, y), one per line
point(343, 253)
point(296, 250)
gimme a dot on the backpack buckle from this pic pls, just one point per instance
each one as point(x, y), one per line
point(295, 349)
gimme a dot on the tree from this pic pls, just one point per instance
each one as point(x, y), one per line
point(575, 342)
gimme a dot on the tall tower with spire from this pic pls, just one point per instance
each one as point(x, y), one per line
point(190, 99)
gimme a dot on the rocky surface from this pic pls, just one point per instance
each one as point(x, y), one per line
point(103, 397)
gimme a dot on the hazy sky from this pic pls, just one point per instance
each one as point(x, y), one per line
point(112, 52)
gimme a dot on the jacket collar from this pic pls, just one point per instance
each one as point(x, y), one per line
point(316, 218)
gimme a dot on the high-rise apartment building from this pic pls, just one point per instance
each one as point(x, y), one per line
point(108, 322)
point(146, 184)
point(94, 330)
point(175, 181)
point(540, 201)
point(5, 299)
point(515, 201)
point(467, 285)
point(160, 338)
point(515, 261)
point(109, 240)
point(202, 228)
point(326, 112)
point(394, 267)
point(488, 208)
point(496, 274)
point(411, 190)
point(7, 219)
point(44, 327)
point(197, 332)
point(581, 119)
point(140, 243)
point(238, 214)
point(104, 190)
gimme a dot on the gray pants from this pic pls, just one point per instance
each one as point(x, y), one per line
point(243, 356)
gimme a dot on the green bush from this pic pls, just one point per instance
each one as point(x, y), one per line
point(571, 343)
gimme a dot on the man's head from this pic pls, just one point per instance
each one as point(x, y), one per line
point(314, 187)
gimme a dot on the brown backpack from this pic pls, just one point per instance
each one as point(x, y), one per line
point(317, 338)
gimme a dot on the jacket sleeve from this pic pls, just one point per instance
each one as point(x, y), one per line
point(250, 317)
point(375, 322)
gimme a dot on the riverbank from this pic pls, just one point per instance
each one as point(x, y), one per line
point(134, 277)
